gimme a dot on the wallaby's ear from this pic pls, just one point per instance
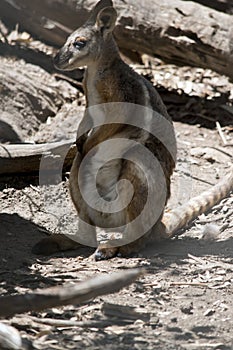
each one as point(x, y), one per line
point(106, 20)
point(96, 10)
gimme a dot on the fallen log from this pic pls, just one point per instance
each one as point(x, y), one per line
point(181, 32)
point(69, 294)
point(28, 95)
point(225, 6)
point(10, 338)
point(31, 158)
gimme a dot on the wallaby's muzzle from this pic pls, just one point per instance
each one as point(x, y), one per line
point(61, 60)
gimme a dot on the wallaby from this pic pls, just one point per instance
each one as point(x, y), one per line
point(110, 81)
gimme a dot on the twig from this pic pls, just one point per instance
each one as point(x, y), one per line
point(38, 207)
point(34, 188)
point(197, 259)
point(204, 345)
point(221, 134)
point(68, 294)
point(194, 177)
point(70, 80)
point(228, 215)
point(124, 312)
point(220, 150)
point(68, 323)
point(209, 264)
point(4, 36)
point(194, 284)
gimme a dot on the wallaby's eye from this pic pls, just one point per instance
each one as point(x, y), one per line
point(79, 44)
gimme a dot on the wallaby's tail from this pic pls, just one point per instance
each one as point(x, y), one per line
point(180, 217)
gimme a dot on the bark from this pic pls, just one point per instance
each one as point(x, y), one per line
point(219, 5)
point(184, 33)
point(65, 295)
point(23, 158)
point(29, 95)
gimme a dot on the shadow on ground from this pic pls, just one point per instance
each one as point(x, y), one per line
point(17, 238)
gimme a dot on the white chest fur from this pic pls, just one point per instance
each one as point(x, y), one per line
point(90, 79)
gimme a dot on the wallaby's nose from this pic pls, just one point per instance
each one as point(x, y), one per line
point(61, 60)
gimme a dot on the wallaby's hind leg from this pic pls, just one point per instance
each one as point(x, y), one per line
point(53, 244)
point(105, 251)
point(143, 207)
point(86, 235)
point(155, 234)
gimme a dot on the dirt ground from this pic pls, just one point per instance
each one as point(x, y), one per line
point(185, 299)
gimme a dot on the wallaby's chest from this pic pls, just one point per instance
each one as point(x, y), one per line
point(92, 94)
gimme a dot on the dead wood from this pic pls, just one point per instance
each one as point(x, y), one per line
point(30, 55)
point(10, 338)
point(225, 6)
point(69, 294)
point(27, 158)
point(41, 323)
point(29, 95)
point(124, 312)
point(37, 58)
point(184, 33)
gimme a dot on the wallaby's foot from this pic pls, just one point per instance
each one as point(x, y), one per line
point(107, 250)
point(104, 253)
point(53, 244)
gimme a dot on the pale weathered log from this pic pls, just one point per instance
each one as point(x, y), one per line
point(26, 158)
point(69, 294)
point(10, 338)
point(185, 33)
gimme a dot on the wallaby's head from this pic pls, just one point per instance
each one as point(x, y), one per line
point(85, 44)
